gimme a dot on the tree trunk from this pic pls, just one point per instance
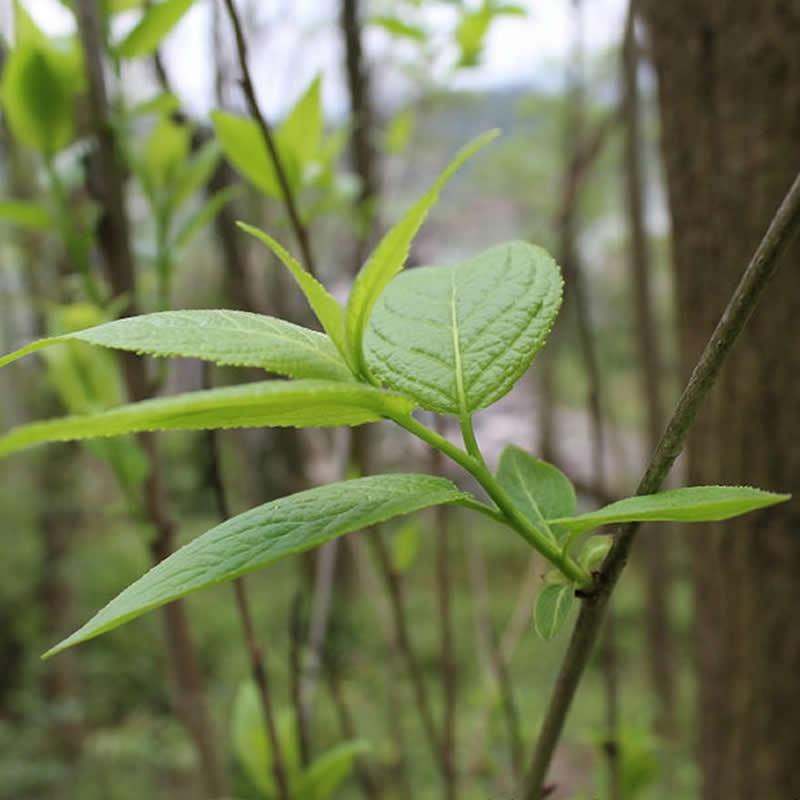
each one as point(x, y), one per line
point(729, 80)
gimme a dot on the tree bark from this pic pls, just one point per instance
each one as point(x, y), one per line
point(729, 82)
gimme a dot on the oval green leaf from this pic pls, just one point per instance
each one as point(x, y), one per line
point(457, 337)
point(235, 338)
point(540, 490)
point(553, 604)
point(265, 534)
point(690, 504)
point(301, 404)
point(37, 96)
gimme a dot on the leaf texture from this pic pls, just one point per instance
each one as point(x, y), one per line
point(265, 534)
point(302, 404)
point(540, 490)
point(457, 337)
point(237, 338)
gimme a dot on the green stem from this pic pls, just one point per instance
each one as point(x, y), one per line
point(509, 513)
point(470, 442)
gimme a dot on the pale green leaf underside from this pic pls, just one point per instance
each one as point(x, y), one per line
point(690, 504)
point(390, 255)
point(303, 403)
point(540, 490)
point(553, 604)
point(265, 534)
point(237, 338)
point(457, 337)
point(324, 304)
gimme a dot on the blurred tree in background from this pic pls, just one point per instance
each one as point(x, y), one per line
point(401, 661)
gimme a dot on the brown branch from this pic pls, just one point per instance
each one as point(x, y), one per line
point(403, 640)
point(368, 784)
point(585, 151)
point(297, 634)
point(257, 666)
point(107, 183)
point(362, 147)
point(498, 660)
point(760, 270)
point(300, 230)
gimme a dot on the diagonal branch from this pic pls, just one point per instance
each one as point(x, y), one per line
point(300, 230)
point(762, 267)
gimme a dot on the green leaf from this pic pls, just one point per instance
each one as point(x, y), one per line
point(326, 773)
point(399, 132)
point(26, 31)
point(156, 22)
point(301, 404)
point(196, 174)
point(252, 746)
point(390, 256)
point(405, 545)
point(553, 604)
point(166, 151)
point(37, 98)
point(162, 103)
point(595, 551)
point(324, 304)
point(244, 147)
point(470, 35)
point(690, 504)
point(540, 490)
point(301, 131)
point(26, 215)
point(457, 337)
point(204, 215)
point(399, 28)
point(268, 533)
point(236, 338)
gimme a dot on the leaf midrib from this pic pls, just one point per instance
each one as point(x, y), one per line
point(462, 400)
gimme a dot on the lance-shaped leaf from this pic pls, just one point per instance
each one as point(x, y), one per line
point(540, 490)
point(553, 604)
point(265, 534)
point(390, 256)
point(690, 504)
point(457, 337)
point(236, 338)
point(301, 404)
point(324, 304)
point(156, 22)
